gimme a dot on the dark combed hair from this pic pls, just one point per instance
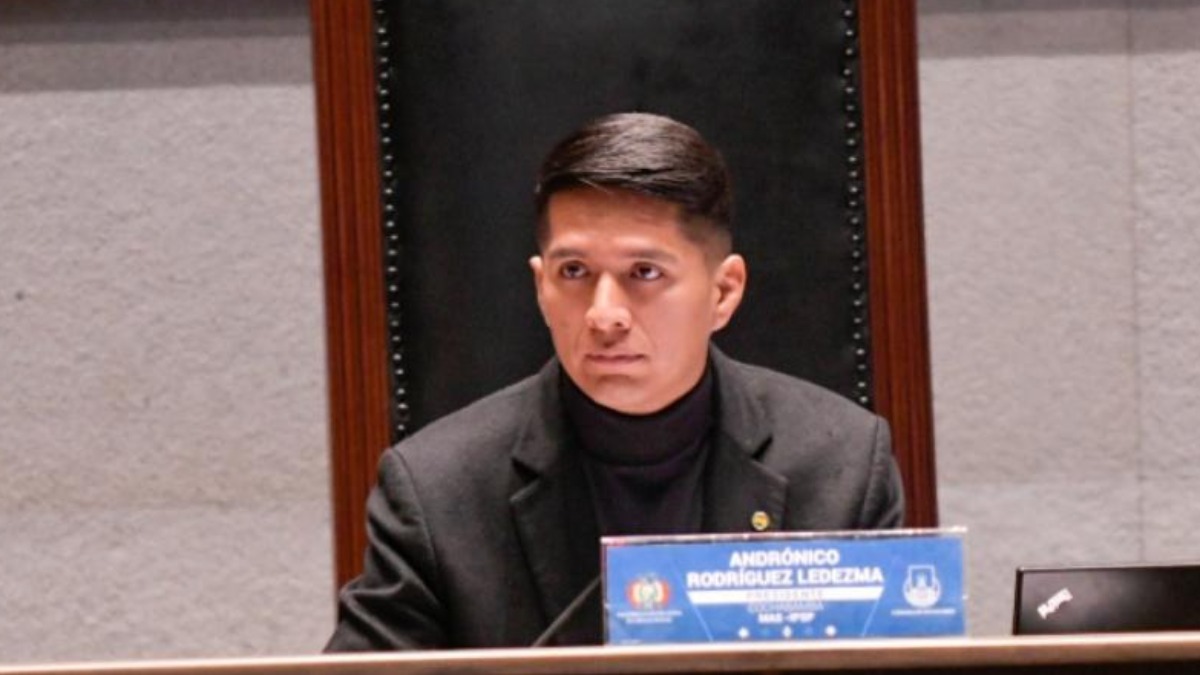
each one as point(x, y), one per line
point(646, 154)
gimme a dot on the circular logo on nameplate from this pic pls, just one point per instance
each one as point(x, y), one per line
point(922, 588)
point(648, 593)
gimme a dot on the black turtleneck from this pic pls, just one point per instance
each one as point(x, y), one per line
point(645, 471)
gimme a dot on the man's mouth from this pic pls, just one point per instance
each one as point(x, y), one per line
point(614, 359)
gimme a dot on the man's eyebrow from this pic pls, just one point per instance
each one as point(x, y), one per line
point(565, 252)
point(653, 254)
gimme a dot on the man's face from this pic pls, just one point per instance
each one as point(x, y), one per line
point(629, 299)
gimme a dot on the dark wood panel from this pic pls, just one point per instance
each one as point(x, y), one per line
point(343, 58)
point(896, 246)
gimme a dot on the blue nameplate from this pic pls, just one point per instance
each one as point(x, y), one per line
point(783, 586)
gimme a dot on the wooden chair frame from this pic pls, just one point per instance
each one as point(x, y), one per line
point(360, 415)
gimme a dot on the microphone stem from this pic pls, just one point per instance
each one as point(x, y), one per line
point(566, 615)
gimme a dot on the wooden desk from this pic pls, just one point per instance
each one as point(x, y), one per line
point(1170, 653)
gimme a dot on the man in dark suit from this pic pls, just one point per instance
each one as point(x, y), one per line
point(484, 526)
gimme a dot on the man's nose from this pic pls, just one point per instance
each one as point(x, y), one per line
point(609, 311)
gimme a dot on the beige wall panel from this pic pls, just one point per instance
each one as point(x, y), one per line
point(1166, 133)
point(1026, 118)
point(163, 443)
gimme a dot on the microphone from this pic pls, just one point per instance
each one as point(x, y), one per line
point(566, 615)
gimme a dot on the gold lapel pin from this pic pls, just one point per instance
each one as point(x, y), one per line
point(760, 521)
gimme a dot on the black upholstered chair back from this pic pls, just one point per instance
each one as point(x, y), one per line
point(472, 96)
point(435, 114)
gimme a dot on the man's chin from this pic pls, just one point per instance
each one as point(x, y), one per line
point(619, 393)
point(626, 398)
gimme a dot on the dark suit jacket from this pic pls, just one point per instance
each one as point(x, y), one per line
point(482, 529)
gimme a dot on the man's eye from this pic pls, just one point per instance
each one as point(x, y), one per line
point(572, 271)
point(646, 273)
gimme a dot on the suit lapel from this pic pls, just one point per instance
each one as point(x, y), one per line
point(741, 494)
point(553, 515)
point(552, 508)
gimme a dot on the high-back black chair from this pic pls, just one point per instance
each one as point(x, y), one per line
point(435, 114)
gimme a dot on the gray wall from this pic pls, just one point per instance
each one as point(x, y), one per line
point(163, 450)
point(1062, 155)
point(163, 445)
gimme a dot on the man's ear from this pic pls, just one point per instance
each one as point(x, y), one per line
point(539, 278)
point(730, 283)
